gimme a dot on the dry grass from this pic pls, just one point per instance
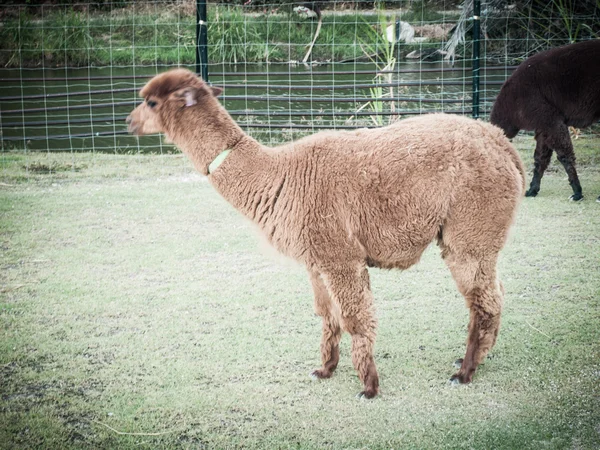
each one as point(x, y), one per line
point(138, 311)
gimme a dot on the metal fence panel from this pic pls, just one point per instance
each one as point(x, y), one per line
point(70, 73)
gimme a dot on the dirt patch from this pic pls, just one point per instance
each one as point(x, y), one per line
point(53, 167)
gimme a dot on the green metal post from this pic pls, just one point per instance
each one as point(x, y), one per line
point(201, 40)
point(476, 37)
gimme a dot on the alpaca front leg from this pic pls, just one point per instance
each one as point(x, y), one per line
point(330, 348)
point(350, 289)
point(332, 332)
point(363, 340)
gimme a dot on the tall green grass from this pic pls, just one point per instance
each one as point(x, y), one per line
point(560, 20)
point(236, 38)
point(61, 39)
point(62, 36)
point(67, 37)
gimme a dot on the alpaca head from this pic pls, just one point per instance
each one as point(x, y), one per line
point(166, 96)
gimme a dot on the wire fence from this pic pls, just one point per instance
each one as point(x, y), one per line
point(71, 72)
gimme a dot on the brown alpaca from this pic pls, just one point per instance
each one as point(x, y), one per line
point(342, 201)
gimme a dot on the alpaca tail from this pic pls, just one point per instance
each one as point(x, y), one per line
point(503, 141)
point(521, 168)
point(518, 164)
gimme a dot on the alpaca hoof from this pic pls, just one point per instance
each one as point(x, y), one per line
point(367, 394)
point(531, 193)
point(458, 363)
point(454, 382)
point(319, 374)
point(598, 199)
point(576, 197)
point(460, 378)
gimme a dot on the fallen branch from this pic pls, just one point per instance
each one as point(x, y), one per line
point(312, 44)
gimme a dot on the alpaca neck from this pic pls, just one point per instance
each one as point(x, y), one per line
point(245, 178)
point(248, 179)
point(206, 136)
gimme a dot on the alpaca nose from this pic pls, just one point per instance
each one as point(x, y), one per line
point(132, 127)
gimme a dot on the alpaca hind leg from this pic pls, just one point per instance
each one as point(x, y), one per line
point(483, 332)
point(541, 157)
point(350, 289)
point(332, 332)
point(563, 146)
point(483, 292)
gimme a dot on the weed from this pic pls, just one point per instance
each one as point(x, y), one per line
point(382, 52)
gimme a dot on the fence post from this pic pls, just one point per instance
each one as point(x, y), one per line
point(201, 40)
point(476, 36)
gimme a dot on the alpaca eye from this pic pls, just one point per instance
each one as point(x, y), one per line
point(151, 103)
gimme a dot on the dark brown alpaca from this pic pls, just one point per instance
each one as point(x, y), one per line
point(342, 201)
point(547, 93)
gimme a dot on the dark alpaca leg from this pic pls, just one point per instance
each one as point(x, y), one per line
point(541, 157)
point(349, 287)
point(332, 333)
point(483, 293)
point(563, 146)
point(558, 140)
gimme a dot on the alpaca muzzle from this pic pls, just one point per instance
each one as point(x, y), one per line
point(133, 127)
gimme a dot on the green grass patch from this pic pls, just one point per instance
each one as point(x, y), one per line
point(139, 310)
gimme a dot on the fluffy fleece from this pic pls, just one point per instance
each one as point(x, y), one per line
point(340, 202)
point(547, 93)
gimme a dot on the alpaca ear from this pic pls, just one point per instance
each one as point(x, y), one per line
point(188, 95)
point(216, 91)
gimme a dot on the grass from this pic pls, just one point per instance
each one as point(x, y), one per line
point(163, 35)
point(139, 310)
